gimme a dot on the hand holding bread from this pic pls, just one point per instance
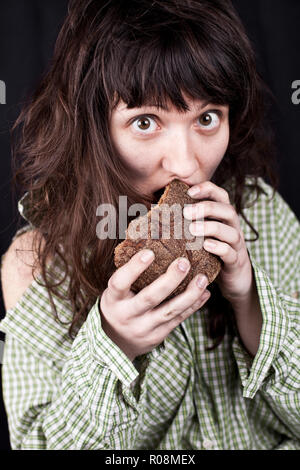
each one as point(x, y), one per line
point(169, 286)
point(137, 323)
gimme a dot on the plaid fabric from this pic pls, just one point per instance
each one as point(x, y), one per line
point(86, 393)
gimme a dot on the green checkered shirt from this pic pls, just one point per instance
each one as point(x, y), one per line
point(86, 393)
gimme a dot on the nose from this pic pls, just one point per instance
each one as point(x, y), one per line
point(180, 157)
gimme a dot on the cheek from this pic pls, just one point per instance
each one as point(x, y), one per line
point(214, 154)
point(137, 155)
point(216, 151)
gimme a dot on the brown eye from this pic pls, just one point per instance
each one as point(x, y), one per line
point(205, 119)
point(210, 120)
point(143, 123)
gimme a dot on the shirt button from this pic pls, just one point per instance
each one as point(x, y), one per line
point(207, 444)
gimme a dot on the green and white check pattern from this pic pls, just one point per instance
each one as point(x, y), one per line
point(87, 394)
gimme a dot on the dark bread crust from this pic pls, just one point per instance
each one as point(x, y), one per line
point(166, 250)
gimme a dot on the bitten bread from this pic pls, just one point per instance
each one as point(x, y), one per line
point(141, 229)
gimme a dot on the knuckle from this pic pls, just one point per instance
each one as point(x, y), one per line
point(205, 206)
point(123, 320)
point(237, 238)
point(113, 283)
point(195, 305)
point(138, 332)
point(208, 206)
point(216, 228)
point(107, 302)
point(147, 299)
point(170, 313)
point(209, 185)
point(188, 312)
point(180, 318)
point(207, 293)
point(226, 249)
point(198, 304)
point(234, 215)
point(204, 298)
point(226, 195)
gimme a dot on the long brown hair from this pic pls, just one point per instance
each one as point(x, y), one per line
point(141, 51)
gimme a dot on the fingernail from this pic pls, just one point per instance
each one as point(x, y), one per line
point(202, 282)
point(147, 255)
point(183, 265)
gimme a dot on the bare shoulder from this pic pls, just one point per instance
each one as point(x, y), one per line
point(16, 271)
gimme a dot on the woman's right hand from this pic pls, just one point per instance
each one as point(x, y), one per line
point(133, 321)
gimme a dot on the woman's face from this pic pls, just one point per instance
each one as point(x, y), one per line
point(161, 145)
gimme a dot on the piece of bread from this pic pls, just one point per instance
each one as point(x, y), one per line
point(166, 249)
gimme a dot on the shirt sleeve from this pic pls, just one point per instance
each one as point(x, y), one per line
point(92, 402)
point(274, 371)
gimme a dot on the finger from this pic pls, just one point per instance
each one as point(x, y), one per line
point(212, 228)
point(221, 249)
point(209, 190)
point(192, 309)
point(158, 290)
point(215, 210)
point(173, 307)
point(120, 282)
point(165, 328)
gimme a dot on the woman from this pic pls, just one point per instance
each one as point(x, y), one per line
point(138, 94)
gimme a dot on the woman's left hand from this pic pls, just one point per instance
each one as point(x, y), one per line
point(236, 278)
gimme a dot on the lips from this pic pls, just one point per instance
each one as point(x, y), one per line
point(187, 182)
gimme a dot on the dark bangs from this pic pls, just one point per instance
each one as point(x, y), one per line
point(159, 53)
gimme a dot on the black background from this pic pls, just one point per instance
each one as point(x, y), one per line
point(28, 30)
